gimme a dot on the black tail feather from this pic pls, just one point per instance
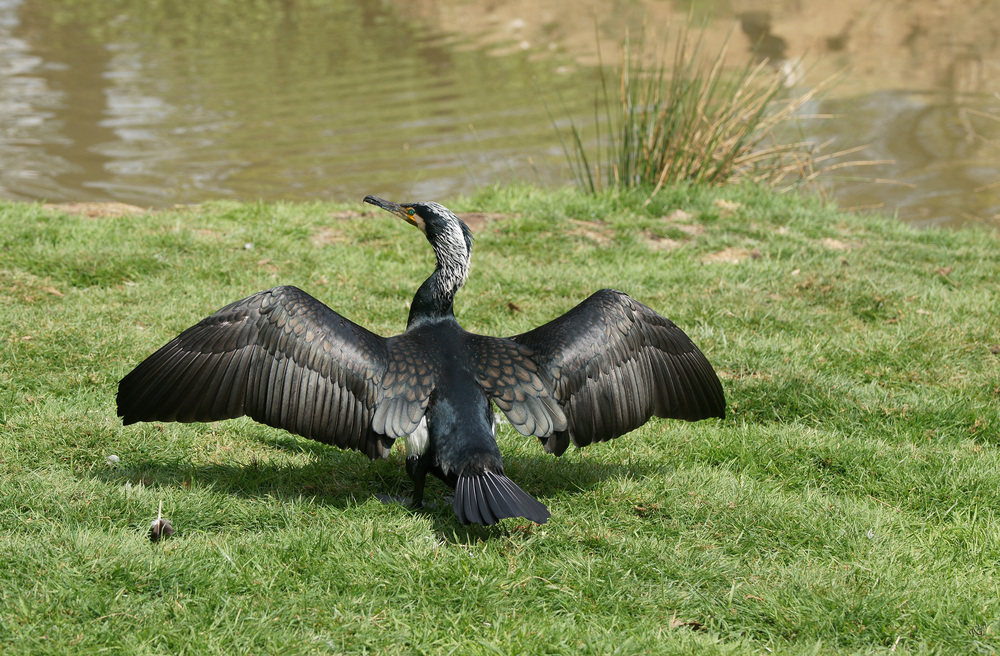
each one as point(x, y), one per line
point(488, 497)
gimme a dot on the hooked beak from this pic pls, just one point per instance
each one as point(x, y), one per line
point(395, 208)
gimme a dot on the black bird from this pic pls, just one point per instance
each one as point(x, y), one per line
point(287, 360)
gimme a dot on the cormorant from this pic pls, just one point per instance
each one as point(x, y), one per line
point(287, 360)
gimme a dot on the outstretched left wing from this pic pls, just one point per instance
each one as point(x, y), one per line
point(281, 357)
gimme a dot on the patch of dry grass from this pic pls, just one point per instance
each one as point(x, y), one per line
point(695, 121)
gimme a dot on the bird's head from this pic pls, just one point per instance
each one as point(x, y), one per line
point(433, 219)
point(452, 243)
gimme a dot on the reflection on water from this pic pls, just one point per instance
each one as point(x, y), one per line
point(945, 154)
point(213, 100)
point(156, 102)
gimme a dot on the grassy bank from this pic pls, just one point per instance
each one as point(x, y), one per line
point(848, 503)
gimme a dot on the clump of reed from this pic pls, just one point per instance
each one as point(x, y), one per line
point(694, 121)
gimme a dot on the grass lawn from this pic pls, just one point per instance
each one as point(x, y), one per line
point(847, 504)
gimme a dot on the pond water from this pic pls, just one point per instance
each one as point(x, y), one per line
point(163, 102)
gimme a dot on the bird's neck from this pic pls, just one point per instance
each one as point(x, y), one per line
point(429, 304)
point(436, 297)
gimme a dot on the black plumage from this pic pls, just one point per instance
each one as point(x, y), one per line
point(285, 359)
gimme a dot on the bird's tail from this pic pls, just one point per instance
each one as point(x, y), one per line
point(487, 497)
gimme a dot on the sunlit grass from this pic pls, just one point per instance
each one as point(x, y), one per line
point(847, 504)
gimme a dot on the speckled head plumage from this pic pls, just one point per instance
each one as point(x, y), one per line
point(435, 220)
point(451, 240)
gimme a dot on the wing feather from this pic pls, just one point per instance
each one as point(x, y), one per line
point(281, 357)
point(613, 363)
point(509, 376)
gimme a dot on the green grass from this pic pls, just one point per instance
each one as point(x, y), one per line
point(847, 504)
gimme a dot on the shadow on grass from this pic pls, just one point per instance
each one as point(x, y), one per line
point(342, 480)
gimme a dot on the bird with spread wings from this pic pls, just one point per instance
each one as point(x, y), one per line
point(287, 360)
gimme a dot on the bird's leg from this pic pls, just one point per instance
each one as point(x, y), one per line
point(416, 469)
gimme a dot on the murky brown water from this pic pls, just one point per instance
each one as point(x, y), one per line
point(157, 102)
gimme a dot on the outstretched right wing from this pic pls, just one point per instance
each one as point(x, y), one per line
point(613, 363)
point(281, 357)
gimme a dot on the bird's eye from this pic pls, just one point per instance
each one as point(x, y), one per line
point(410, 212)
